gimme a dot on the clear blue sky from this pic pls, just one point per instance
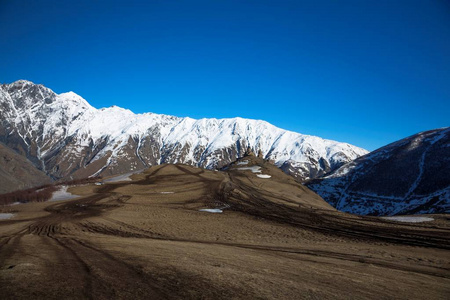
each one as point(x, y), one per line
point(362, 72)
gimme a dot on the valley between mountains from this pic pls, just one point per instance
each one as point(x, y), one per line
point(270, 237)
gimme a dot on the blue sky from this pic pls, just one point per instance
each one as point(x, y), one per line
point(363, 72)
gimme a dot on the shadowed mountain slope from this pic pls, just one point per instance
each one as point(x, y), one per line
point(16, 172)
point(410, 176)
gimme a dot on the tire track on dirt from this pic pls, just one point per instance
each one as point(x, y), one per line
point(330, 224)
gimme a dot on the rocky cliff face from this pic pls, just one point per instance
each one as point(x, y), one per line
point(65, 137)
point(410, 176)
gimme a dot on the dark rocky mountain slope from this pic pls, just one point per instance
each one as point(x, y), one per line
point(410, 176)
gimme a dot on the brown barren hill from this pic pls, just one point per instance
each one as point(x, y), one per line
point(249, 231)
point(17, 172)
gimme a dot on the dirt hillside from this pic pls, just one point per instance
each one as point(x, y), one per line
point(250, 231)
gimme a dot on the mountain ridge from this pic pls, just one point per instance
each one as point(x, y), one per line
point(64, 136)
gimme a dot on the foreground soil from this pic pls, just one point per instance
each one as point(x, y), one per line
point(147, 239)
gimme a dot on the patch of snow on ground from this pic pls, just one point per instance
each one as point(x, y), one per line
point(254, 169)
point(409, 219)
point(212, 210)
point(123, 177)
point(5, 216)
point(244, 162)
point(62, 194)
point(263, 176)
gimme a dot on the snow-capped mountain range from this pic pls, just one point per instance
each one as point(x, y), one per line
point(64, 136)
point(410, 176)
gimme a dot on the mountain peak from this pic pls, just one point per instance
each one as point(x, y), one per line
point(70, 94)
point(22, 82)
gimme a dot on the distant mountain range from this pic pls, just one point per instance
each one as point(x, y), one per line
point(410, 176)
point(64, 137)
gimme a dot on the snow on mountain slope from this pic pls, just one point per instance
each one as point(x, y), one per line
point(65, 136)
point(410, 176)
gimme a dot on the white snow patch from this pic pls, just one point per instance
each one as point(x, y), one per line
point(263, 176)
point(212, 210)
point(244, 162)
point(62, 194)
point(254, 169)
point(409, 219)
point(123, 177)
point(5, 216)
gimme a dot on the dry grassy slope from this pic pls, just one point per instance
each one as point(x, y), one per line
point(280, 187)
point(16, 172)
point(147, 239)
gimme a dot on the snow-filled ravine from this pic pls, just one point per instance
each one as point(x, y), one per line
point(62, 194)
point(263, 176)
point(212, 210)
point(409, 219)
point(5, 216)
point(123, 177)
point(254, 169)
